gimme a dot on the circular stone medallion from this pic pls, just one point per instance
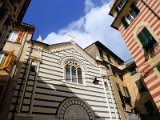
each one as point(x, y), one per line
point(75, 109)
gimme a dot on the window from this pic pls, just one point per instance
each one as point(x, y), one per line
point(2, 13)
point(2, 59)
point(107, 66)
point(114, 73)
point(13, 36)
point(126, 92)
point(16, 36)
point(73, 72)
point(5, 59)
point(80, 75)
point(119, 7)
point(121, 96)
point(146, 39)
point(101, 54)
point(126, 20)
point(109, 58)
point(118, 87)
point(133, 70)
point(140, 86)
point(131, 16)
point(1, 91)
point(120, 76)
point(158, 67)
point(67, 72)
point(150, 109)
point(106, 85)
point(33, 68)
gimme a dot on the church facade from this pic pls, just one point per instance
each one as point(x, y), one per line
point(56, 83)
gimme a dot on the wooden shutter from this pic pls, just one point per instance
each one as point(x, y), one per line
point(8, 59)
point(3, 58)
point(141, 38)
point(126, 92)
point(146, 38)
point(132, 70)
point(124, 22)
point(20, 37)
point(135, 8)
point(158, 67)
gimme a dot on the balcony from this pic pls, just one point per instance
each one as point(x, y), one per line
point(154, 51)
point(127, 99)
point(132, 116)
point(6, 66)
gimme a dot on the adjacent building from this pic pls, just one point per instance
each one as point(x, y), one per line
point(11, 59)
point(139, 23)
point(119, 75)
point(11, 14)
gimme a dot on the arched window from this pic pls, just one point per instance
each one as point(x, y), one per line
point(68, 73)
point(79, 71)
point(73, 72)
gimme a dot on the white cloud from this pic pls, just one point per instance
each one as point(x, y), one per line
point(89, 5)
point(95, 25)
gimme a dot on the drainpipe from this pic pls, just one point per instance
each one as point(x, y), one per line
point(34, 87)
point(25, 84)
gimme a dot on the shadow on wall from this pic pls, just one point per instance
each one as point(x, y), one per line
point(145, 105)
point(49, 97)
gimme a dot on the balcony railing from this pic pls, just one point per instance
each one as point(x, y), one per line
point(154, 50)
point(127, 99)
point(132, 116)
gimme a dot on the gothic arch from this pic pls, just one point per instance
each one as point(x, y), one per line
point(74, 58)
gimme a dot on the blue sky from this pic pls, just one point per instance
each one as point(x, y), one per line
point(51, 15)
point(86, 20)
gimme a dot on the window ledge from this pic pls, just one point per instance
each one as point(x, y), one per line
point(71, 84)
point(13, 42)
point(154, 61)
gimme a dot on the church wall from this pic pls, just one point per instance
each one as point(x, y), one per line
point(46, 89)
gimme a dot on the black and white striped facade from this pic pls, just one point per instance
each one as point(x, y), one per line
point(42, 93)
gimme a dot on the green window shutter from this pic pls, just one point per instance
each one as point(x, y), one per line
point(126, 92)
point(142, 38)
point(138, 84)
point(146, 38)
point(135, 8)
point(158, 67)
point(124, 22)
point(133, 70)
point(118, 87)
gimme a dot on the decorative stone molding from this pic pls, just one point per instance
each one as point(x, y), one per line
point(64, 59)
point(75, 108)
